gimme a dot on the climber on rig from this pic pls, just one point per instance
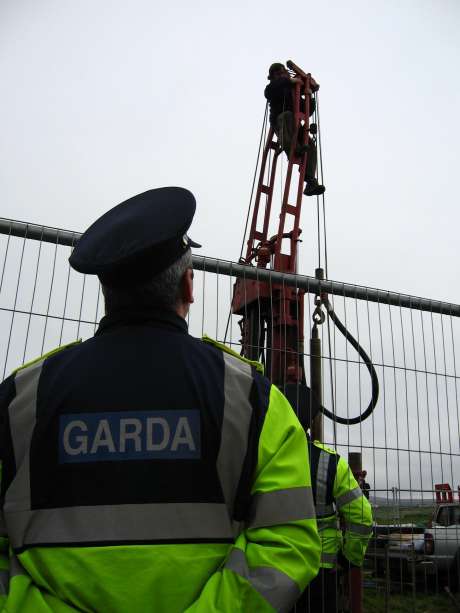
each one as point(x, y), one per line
point(279, 95)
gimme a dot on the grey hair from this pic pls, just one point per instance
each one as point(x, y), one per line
point(162, 291)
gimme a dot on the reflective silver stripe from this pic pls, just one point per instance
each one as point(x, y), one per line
point(281, 506)
point(4, 582)
point(235, 426)
point(358, 528)
point(321, 485)
point(328, 558)
point(278, 589)
point(321, 478)
point(22, 414)
point(325, 524)
point(348, 497)
point(130, 522)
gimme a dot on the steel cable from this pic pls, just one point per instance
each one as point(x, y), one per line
point(348, 421)
point(261, 139)
point(321, 176)
point(264, 124)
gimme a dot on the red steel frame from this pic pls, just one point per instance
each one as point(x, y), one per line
point(272, 321)
point(279, 310)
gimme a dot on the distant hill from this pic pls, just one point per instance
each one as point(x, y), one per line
point(402, 502)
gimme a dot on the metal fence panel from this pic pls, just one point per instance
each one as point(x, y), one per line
point(411, 441)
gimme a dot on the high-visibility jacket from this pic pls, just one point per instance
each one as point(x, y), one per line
point(344, 515)
point(145, 470)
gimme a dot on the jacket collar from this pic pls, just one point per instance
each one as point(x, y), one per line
point(150, 317)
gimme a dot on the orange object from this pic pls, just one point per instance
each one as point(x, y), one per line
point(444, 493)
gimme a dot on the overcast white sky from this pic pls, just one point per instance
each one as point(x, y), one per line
point(105, 99)
point(102, 100)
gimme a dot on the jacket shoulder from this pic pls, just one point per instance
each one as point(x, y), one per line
point(47, 355)
point(324, 447)
point(210, 341)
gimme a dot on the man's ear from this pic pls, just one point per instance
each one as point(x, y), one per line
point(187, 286)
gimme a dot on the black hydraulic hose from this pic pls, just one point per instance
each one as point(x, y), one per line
point(370, 367)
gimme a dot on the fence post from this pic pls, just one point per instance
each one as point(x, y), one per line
point(356, 575)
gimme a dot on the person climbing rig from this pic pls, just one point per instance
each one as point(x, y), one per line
point(143, 469)
point(344, 517)
point(279, 95)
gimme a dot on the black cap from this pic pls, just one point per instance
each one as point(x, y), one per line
point(274, 67)
point(138, 238)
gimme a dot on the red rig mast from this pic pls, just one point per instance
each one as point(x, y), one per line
point(272, 315)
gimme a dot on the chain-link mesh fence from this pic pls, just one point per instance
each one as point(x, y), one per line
point(410, 442)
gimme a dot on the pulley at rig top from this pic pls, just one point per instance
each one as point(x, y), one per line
point(272, 315)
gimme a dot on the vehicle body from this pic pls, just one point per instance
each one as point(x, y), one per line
point(445, 531)
point(432, 550)
point(397, 548)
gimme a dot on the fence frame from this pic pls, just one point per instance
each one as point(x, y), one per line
point(227, 268)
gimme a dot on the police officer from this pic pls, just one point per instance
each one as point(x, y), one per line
point(143, 469)
point(344, 518)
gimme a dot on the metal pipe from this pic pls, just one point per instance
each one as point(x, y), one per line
point(223, 267)
point(316, 400)
point(314, 286)
point(38, 232)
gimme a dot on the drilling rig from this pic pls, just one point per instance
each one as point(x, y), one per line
point(272, 315)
